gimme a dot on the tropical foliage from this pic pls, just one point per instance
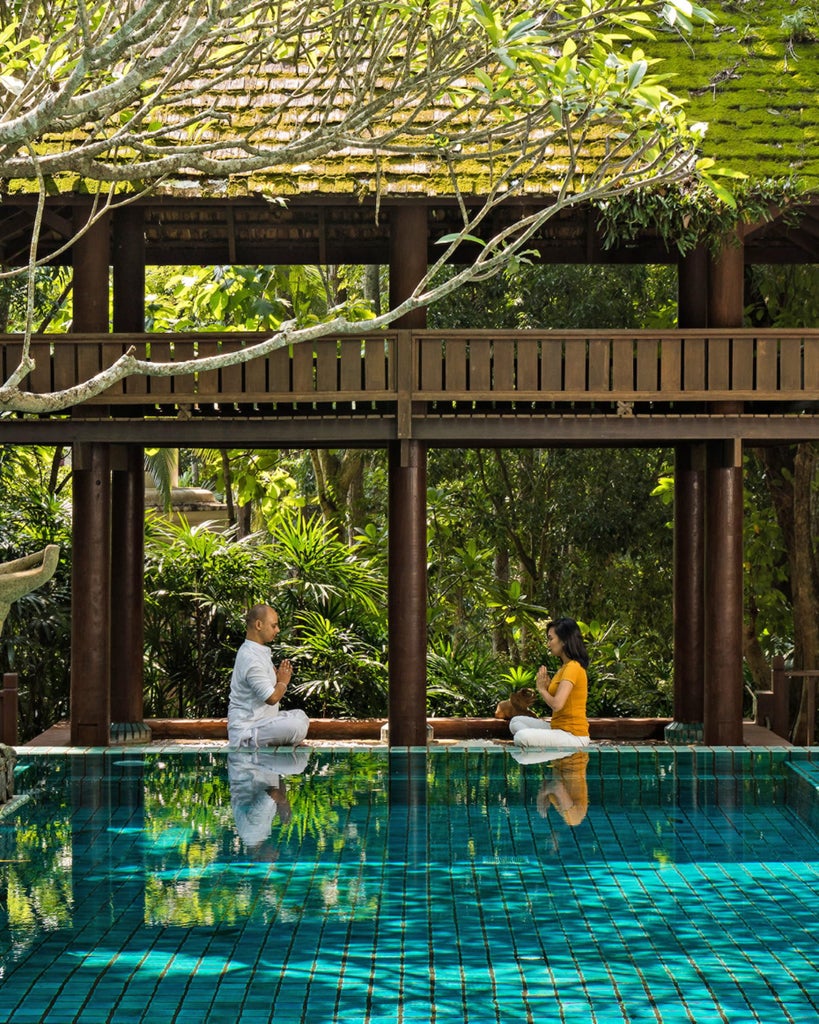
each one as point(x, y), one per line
point(36, 638)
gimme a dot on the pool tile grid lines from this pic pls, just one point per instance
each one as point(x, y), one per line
point(539, 988)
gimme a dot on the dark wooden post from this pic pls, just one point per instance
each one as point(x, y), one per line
point(91, 521)
point(689, 533)
point(689, 594)
point(128, 503)
point(8, 731)
point(723, 639)
point(692, 289)
point(407, 602)
point(127, 594)
point(91, 596)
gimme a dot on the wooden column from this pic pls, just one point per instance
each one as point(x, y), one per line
point(723, 640)
point(692, 289)
point(91, 519)
point(90, 596)
point(128, 502)
point(689, 533)
point(127, 593)
point(723, 596)
point(407, 601)
point(689, 593)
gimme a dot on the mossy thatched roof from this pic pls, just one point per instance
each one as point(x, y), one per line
point(754, 77)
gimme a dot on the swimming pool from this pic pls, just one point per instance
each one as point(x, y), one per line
point(451, 885)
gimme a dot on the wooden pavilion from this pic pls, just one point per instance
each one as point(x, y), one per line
point(705, 388)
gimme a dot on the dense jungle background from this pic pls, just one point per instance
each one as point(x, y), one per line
point(515, 536)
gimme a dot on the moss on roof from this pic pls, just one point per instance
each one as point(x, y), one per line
point(754, 77)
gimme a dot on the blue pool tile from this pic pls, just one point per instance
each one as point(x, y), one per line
point(480, 900)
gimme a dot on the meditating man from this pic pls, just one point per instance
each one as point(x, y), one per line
point(257, 686)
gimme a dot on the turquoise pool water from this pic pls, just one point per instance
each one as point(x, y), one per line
point(448, 886)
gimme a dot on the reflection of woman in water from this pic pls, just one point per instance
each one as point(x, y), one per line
point(258, 792)
point(567, 790)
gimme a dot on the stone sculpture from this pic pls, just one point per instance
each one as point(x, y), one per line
point(23, 575)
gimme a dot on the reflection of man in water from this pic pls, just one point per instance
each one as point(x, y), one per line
point(567, 790)
point(258, 793)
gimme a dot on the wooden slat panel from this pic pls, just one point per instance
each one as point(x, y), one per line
point(89, 358)
point(503, 364)
point(376, 364)
point(551, 365)
point(207, 382)
point(303, 381)
point(65, 366)
point(694, 364)
point(39, 380)
point(599, 365)
point(160, 353)
point(279, 367)
point(719, 364)
point(184, 350)
point(671, 365)
point(231, 377)
point(351, 365)
point(480, 365)
point(574, 374)
point(811, 358)
point(431, 363)
point(111, 351)
point(327, 366)
point(12, 352)
point(256, 379)
point(742, 364)
point(137, 384)
point(527, 364)
point(767, 375)
point(622, 366)
point(455, 365)
point(647, 364)
point(790, 365)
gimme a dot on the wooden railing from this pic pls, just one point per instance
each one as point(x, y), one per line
point(773, 706)
point(444, 366)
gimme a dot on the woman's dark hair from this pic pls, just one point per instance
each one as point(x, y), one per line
point(568, 633)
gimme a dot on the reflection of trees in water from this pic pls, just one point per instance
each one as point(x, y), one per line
point(198, 871)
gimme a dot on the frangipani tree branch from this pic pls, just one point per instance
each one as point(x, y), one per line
point(507, 244)
point(502, 87)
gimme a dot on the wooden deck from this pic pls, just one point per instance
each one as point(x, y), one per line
point(621, 730)
point(431, 384)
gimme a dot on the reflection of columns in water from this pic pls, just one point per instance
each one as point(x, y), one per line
point(408, 804)
point(404, 919)
point(107, 816)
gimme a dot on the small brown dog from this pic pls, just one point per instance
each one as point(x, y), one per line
point(518, 704)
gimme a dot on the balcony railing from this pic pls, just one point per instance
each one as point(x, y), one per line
point(400, 368)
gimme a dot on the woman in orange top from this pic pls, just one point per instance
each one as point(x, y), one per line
point(565, 694)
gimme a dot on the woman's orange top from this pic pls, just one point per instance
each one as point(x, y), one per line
point(572, 716)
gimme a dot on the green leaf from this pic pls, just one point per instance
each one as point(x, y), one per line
point(447, 239)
